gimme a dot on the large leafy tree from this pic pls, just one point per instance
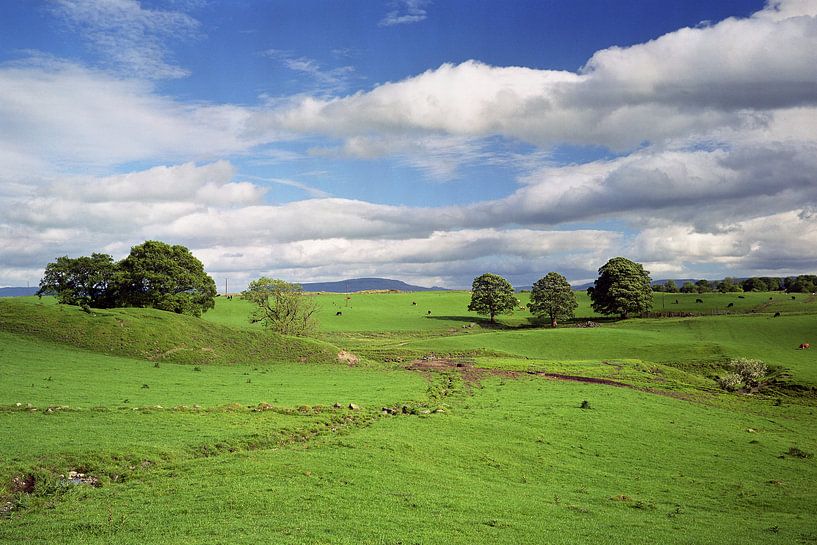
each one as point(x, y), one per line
point(165, 277)
point(553, 297)
point(491, 295)
point(281, 306)
point(82, 280)
point(623, 288)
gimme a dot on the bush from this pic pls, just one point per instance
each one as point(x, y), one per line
point(751, 371)
point(730, 382)
point(745, 373)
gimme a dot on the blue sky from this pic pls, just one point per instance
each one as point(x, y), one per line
point(426, 141)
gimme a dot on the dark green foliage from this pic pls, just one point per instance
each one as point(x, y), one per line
point(805, 283)
point(703, 286)
point(553, 297)
point(81, 280)
point(623, 287)
point(755, 284)
point(729, 285)
point(166, 277)
point(155, 275)
point(491, 294)
point(281, 306)
point(688, 287)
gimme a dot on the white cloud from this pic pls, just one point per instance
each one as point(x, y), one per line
point(130, 38)
point(686, 83)
point(65, 115)
point(406, 12)
point(325, 79)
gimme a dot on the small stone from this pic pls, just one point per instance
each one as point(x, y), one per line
point(751, 430)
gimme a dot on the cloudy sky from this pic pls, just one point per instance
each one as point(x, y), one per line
point(428, 141)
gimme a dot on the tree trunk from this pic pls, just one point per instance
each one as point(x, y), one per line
point(552, 321)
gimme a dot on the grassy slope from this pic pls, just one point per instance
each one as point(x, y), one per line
point(637, 467)
point(611, 474)
point(703, 340)
point(154, 335)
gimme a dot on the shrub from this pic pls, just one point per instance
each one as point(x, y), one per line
point(745, 373)
point(730, 382)
point(751, 371)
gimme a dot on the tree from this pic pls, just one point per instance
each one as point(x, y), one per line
point(688, 287)
point(81, 280)
point(623, 287)
point(755, 284)
point(165, 277)
point(805, 283)
point(670, 287)
point(552, 296)
point(491, 294)
point(703, 286)
point(281, 306)
point(729, 285)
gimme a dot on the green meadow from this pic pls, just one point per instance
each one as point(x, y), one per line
point(396, 425)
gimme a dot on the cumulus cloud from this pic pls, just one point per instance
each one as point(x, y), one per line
point(694, 80)
point(715, 162)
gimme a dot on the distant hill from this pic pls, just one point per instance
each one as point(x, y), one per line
point(17, 292)
point(364, 284)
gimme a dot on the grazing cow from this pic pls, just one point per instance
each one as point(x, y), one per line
point(338, 313)
point(414, 302)
point(741, 297)
point(805, 346)
point(429, 312)
point(730, 305)
point(793, 297)
point(776, 315)
point(699, 300)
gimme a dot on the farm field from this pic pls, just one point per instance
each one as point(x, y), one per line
point(212, 430)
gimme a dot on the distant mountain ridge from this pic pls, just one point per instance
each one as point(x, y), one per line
point(17, 292)
point(364, 284)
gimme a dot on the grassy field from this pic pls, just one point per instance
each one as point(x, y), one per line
point(212, 431)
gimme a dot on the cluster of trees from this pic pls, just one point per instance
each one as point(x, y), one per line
point(622, 288)
point(154, 274)
point(805, 283)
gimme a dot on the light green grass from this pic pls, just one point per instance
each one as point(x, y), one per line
point(154, 335)
point(510, 459)
point(635, 468)
point(686, 343)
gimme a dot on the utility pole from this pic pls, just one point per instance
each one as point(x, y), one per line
point(225, 285)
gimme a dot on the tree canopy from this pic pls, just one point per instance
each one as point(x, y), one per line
point(82, 280)
point(553, 297)
point(281, 306)
point(623, 288)
point(166, 277)
point(154, 274)
point(491, 295)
